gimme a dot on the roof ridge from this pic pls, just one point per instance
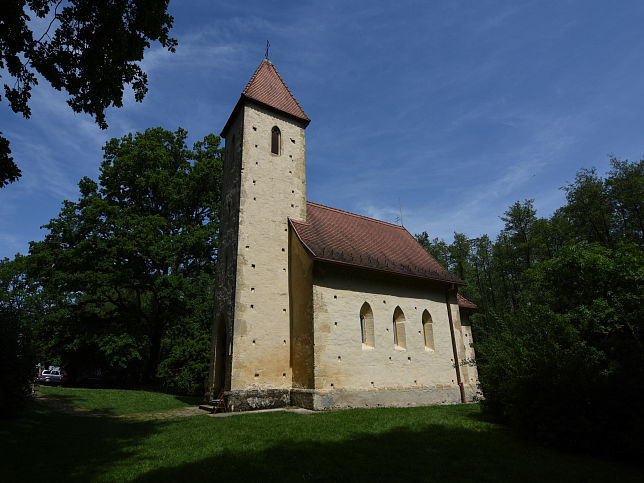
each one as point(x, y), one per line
point(358, 216)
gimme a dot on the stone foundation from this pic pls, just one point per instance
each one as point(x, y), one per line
point(253, 399)
point(346, 398)
point(250, 400)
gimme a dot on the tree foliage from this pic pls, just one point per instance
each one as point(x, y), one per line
point(559, 331)
point(90, 50)
point(17, 313)
point(126, 272)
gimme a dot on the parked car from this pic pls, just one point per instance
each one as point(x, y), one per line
point(53, 376)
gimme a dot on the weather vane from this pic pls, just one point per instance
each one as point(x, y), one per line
point(268, 44)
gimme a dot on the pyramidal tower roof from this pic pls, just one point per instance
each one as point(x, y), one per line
point(267, 87)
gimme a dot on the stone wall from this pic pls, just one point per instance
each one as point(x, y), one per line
point(225, 285)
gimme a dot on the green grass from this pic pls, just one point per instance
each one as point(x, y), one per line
point(417, 444)
point(117, 401)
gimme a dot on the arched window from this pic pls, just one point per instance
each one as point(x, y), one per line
point(366, 326)
point(276, 138)
point(428, 330)
point(400, 340)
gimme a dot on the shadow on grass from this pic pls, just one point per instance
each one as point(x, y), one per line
point(342, 446)
point(433, 452)
point(190, 400)
point(113, 402)
point(76, 401)
point(46, 445)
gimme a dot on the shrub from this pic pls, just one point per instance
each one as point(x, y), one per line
point(569, 368)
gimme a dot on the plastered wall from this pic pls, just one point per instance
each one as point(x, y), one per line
point(301, 311)
point(273, 188)
point(341, 360)
point(470, 373)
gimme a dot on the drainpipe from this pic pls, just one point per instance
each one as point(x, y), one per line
point(451, 331)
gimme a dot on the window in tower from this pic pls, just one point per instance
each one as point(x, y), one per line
point(276, 138)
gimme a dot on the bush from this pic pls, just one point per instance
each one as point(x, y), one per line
point(186, 358)
point(569, 368)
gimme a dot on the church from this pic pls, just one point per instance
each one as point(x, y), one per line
point(317, 307)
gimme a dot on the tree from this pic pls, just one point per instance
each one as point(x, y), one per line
point(459, 255)
point(588, 208)
point(519, 222)
point(625, 184)
point(561, 366)
point(129, 267)
point(16, 348)
point(89, 49)
point(437, 248)
point(482, 263)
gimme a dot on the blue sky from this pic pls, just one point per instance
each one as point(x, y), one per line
point(454, 109)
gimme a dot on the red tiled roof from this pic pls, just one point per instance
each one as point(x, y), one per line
point(464, 303)
point(338, 236)
point(266, 86)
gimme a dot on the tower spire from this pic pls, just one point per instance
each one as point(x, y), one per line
point(268, 44)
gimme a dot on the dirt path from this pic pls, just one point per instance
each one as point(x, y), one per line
point(62, 407)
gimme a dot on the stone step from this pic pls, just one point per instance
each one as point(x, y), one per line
point(207, 407)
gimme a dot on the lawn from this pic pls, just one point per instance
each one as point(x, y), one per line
point(446, 443)
point(117, 401)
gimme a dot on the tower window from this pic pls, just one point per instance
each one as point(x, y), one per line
point(276, 138)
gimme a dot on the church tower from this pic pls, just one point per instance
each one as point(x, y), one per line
point(264, 185)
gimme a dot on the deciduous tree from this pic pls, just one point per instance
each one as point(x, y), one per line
point(91, 50)
point(129, 267)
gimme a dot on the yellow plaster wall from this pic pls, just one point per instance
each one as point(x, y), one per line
point(273, 188)
point(341, 361)
point(470, 376)
point(301, 312)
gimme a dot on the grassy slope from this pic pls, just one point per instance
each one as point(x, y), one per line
point(416, 444)
point(117, 401)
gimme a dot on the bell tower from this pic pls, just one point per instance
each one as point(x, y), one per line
point(264, 185)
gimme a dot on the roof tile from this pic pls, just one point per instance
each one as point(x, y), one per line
point(343, 237)
point(266, 86)
point(464, 303)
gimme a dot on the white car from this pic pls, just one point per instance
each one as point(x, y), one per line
point(52, 376)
